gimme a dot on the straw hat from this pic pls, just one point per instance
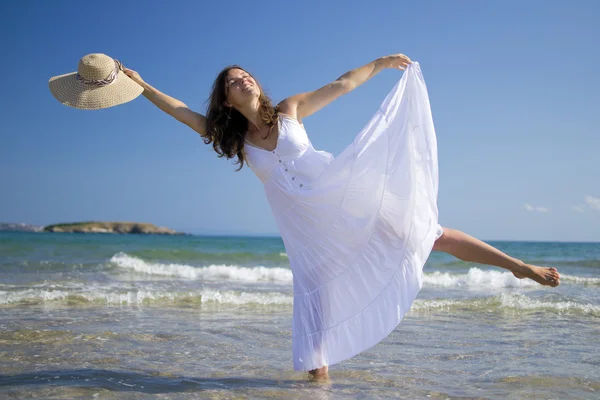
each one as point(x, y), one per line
point(98, 83)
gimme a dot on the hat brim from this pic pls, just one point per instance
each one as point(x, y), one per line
point(70, 92)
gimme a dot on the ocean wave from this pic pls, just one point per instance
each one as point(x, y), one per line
point(486, 279)
point(142, 297)
point(212, 272)
point(477, 278)
point(522, 302)
point(580, 280)
point(505, 302)
point(155, 297)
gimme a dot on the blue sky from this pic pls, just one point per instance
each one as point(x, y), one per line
point(514, 89)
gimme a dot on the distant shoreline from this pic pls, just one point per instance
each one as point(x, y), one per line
point(139, 228)
point(21, 227)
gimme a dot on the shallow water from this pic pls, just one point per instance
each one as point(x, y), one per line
point(196, 317)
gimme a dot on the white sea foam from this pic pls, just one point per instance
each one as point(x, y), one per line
point(240, 298)
point(140, 297)
point(32, 295)
point(522, 302)
point(580, 280)
point(212, 272)
point(505, 301)
point(133, 297)
point(437, 304)
point(476, 278)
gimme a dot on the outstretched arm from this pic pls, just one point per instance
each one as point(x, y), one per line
point(175, 108)
point(305, 104)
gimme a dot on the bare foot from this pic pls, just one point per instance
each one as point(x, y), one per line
point(320, 374)
point(542, 275)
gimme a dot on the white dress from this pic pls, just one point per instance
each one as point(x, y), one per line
point(357, 228)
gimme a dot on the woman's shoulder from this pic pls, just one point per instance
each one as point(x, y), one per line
point(287, 110)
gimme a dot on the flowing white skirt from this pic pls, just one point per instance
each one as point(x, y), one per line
point(359, 236)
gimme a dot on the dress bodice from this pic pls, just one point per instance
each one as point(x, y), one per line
point(294, 163)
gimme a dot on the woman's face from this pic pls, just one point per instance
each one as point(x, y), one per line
point(240, 87)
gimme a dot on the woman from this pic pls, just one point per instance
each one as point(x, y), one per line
point(357, 228)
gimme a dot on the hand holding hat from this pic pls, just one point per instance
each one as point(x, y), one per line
point(100, 82)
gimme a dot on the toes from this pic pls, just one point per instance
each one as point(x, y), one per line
point(553, 278)
point(553, 275)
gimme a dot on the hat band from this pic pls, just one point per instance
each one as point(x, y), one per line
point(102, 82)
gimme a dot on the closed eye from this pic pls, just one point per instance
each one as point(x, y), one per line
point(236, 81)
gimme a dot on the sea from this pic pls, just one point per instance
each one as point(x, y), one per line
point(85, 316)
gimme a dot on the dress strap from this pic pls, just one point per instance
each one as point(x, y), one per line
point(276, 143)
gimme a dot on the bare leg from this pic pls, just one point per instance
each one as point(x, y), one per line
point(320, 373)
point(468, 248)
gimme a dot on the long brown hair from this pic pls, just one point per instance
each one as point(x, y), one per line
point(226, 127)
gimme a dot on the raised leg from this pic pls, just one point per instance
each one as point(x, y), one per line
point(468, 248)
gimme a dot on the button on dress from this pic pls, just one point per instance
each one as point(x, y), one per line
point(357, 228)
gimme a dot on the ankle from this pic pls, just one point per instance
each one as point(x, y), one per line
point(319, 372)
point(517, 265)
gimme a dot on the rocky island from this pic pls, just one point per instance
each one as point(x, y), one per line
point(111, 227)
